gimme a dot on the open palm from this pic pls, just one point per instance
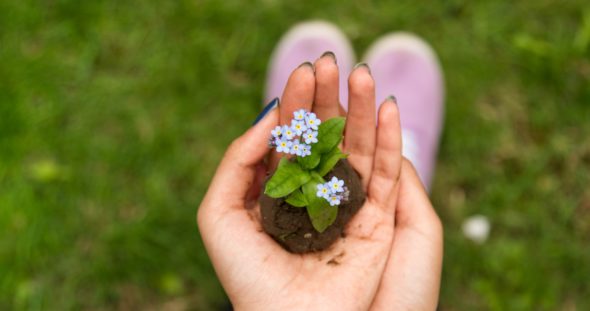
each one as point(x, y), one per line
point(255, 271)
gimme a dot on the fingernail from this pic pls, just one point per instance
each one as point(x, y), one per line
point(306, 64)
point(331, 55)
point(392, 99)
point(359, 65)
point(268, 108)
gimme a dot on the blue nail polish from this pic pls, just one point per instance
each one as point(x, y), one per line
point(268, 108)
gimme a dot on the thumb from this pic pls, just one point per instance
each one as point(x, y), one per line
point(237, 170)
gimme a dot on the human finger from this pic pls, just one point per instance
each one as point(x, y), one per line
point(388, 155)
point(326, 103)
point(359, 138)
point(298, 94)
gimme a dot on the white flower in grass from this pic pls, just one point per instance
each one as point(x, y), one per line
point(300, 114)
point(323, 191)
point(336, 185)
point(277, 132)
point(476, 228)
point(312, 121)
point(284, 145)
point(310, 136)
point(288, 132)
point(334, 200)
point(298, 127)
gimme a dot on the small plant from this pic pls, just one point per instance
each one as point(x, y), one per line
point(300, 180)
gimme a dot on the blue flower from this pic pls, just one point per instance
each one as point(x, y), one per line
point(284, 145)
point(300, 114)
point(297, 138)
point(305, 150)
point(323, 191)
point(277, 132)
point(336, 185)
point(272, 142)
point(312, 121)
point(297, 148)
point(334, 200)
point(298, 127)
point(310, 137)
point(288, 132)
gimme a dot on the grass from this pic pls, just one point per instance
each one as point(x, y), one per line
point(114, 114)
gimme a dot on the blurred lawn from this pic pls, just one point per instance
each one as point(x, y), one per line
point(114, 114)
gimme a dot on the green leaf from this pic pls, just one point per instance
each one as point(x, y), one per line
point(317, 177)
point(287, 178)
point(329, 160)
point(329, 135)
point(321, 214)
point(311, 161)
point(297, 199)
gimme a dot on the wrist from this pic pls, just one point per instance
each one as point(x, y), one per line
point(270, 306)
point(297, 304)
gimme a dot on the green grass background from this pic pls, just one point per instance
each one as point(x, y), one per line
point(114, 114)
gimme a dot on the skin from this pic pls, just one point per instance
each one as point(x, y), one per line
point(392, 254)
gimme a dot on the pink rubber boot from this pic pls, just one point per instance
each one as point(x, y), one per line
point(405, 66)
point(307, 42)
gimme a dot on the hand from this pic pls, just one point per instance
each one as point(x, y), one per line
point(411, 279)
point(412, 276)
point(255, 271)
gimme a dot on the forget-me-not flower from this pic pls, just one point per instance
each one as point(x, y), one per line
point(312, 121)
point(323, 191)
point(297, 138)
point(277, 132)
point(284, 145)
point(300, 114)
point(305, 150)
point(336, 185)
point(288, 132)
point(334, 200)
point(330, 191)
point(298, 126)
point(296, 148)
point(310, 136)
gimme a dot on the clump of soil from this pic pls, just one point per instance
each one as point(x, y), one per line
point(290, 226)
